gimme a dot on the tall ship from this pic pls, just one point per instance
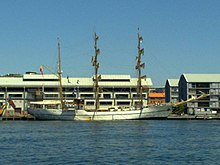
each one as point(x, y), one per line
point(62, 111)
point(139, 111)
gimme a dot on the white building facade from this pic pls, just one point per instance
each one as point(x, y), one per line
point(117, 90)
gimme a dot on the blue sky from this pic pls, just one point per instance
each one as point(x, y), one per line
point(180, 36)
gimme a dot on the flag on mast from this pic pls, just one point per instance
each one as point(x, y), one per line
point(41, 69)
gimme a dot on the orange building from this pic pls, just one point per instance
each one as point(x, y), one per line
point(156, 98)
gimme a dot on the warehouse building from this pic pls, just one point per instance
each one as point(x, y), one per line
point(191, 85)
point(172, 91)
point(117, 90)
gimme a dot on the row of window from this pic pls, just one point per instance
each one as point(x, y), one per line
point(83, 89)
point(11, 96)
point(105, 96)
point(199, 104)
point(204, 85)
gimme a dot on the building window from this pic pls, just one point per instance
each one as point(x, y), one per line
point(51, 95)
point(68, 95)
point(193, 85)
point(15, 95)
point(108, 89)
point(124, 103)
point(121, 89)
point(106, 103)
point(135, 96)
point(90, 103)
point(203, 104)
point(86, 95)
point(85, 89)
point(214, 85)
point(214, 98)
point(202, 85)
point(200, 91)
point(137, 103)
point(107, 96)
point(50, 89)
point(121, 96)
point(15, 89)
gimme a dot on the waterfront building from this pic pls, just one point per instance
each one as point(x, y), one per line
point(191, 85)
point(156, 96)
point(116, 90)
point(172, 91)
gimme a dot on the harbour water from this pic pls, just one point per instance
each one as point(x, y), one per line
point(113, 142)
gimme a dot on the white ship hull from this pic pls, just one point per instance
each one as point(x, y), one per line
point(146, 113)
point(52, 114)
point(58, 114)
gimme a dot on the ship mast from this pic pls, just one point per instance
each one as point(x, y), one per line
point(139, 66)
point(97, 77)
point(59, 72)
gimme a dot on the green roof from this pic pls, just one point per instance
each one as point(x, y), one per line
point(202, 77)
point(173, 82)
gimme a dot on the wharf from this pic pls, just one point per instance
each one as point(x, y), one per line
point(18, 117)
point(193, 117)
